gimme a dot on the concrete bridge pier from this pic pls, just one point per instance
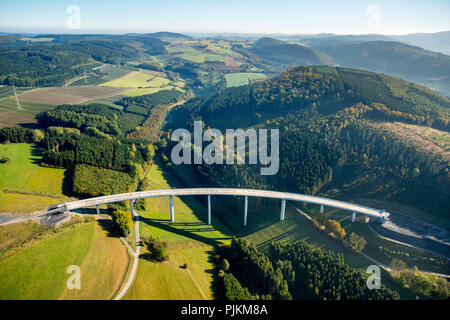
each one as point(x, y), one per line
point(283, 209)
point(353, 216)
point(98, 209)
point(132, 208)
point(209, 209)
point(172, 213)
point(321, 208)
point(245, 210)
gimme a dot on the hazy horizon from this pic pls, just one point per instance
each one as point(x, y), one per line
point(234, 17)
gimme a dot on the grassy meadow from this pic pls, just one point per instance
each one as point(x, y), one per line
point(31, 187)
point(39, 271)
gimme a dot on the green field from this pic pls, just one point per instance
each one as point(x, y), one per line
point(190, 240)
point(23, 172)
point(242, 78)
point(39, 272)
point(30, 184)
point(190, 215)
point(141, 83)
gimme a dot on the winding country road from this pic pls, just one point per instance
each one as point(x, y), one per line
point(135, 262)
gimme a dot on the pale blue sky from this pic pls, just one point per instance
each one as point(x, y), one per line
point(246, 16)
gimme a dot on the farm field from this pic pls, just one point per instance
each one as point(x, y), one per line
point(39, 272)
point(141, 83)
point(137, 79)
point(110, 72)
point(68, 95)
point(111, 101)
point(203, 51)
point(242, 78)
point(11, 115)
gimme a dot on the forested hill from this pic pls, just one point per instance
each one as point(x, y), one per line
point(279, 51)
point(165, 34)
point(393, 58)
point(331, 119)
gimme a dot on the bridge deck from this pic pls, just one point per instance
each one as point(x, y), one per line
point(226, 192)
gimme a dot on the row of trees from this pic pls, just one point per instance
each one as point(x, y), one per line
point(20, 135)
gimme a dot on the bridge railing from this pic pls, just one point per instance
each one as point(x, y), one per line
point(284, 196)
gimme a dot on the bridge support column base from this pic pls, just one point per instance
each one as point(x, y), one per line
point(172, 213)
point(283, 209)
point(209, 209)
point(245, 210)
point(98, 209)
point(353, 216)
point(132, 208)
point(321, 208)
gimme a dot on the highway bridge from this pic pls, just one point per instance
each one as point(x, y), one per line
point(283, 196)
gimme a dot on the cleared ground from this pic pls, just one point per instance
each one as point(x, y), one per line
point(426, 139)
point(137, 79)
point(140, 83)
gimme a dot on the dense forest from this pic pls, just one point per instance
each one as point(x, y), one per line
point(290, 271)
point(323, 115)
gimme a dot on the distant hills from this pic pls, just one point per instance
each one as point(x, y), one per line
point(165, 34)
point(288, 53)
point(370, 52)
point(394, 58)
point(439, 41)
